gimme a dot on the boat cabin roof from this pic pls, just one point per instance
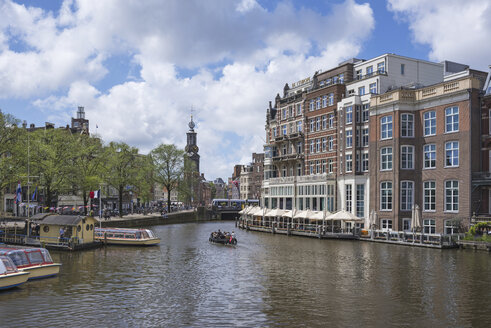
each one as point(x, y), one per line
point(120, 230)
point(27, 256)
point(64, 220)
point(7, 265)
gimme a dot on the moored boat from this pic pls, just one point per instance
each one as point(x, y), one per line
point(36, 261)
point(120, 236)
point(10, 276)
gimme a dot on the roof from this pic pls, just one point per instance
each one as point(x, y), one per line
point(68, 220)
point(40, 216)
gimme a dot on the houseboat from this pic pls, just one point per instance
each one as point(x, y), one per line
point(119, 236)
point(36, 261)
point(10, 276)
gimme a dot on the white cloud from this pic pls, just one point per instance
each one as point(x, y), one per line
point(455, 30)
point(242, 53)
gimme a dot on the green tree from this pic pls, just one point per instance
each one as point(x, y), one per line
point(88, 159)
point(144, 181)
point(121, 169)
point(168, 164)
point(9, 135)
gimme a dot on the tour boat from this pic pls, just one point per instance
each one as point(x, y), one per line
point(36, 261)
point(119, 236)
point(220, 238)
point(10, 276)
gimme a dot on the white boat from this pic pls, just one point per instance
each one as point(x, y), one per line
point(34, 260)
point(119, 236)
point(10, 276)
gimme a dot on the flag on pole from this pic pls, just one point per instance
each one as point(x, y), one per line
point(91, 194)
point(34, 194)
point(97, 193)
point(18, 192)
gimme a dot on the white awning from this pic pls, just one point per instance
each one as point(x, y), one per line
point(344, 216)
point(274, 213)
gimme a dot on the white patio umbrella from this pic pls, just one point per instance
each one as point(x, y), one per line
point(245, 210)
point(372, 219)
point(344, 216)
point(318, 215)
point(275, 212)
point(415, 218)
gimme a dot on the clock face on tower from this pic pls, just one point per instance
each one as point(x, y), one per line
point(194, 149)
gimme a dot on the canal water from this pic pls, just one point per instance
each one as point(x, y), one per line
point(265, 281)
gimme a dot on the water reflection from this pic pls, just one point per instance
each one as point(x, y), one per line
point(266, 280)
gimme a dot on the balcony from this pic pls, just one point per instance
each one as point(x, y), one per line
point(481, 179)
point(312, 178)
point(281, 180)
point(367, 76)
point(287, 157)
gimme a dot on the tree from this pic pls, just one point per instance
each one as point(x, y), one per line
point(9, 134)
point(168, 164)
point(88, 158)
point(143, 185)
point(189, 184)
point(121, 169)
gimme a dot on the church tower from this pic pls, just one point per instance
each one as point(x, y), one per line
point(191, 146)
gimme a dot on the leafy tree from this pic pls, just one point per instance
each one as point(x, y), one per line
point(9, 135)
point(121, 169)
point(51, 159)
point(144, 180)
point(88, 159)
point(168, 163)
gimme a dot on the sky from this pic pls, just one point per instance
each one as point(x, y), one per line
point(140, 68)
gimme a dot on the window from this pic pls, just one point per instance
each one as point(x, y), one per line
point(299, 169)
point(386, 159)
point(349, 115)
point(323, 166)
point(386, 127)
point(452, 119)
point(406, 225)
point(330, 166)
point(364, 162)
point(275, 132)
point(290, 109)
point(430, 123)
point(299, 147)
point(429, 226)
point(349, 138)
point(452, 154)
point(317, 145)
point(381, 67)
point(312, 125)
point(407, 125)
point(284, 113)
point(299, 126)
point(429, 153)
point(429, 191)
point(349, 163)
point(328, 81)
point(324, 122)
point(324, 101)
point(331, 142)
point(359, 74)
point(283, 171)
point(318, 103)
point(386, 224)
point(348, 198)
point(451, 227)
point(364, 137)
point(317, 167)
point(402, 69)
point(373, 87)
point(283, 129)
point(324, 144)
point(407, 157)
point(331, 99)
point(299, 109)
point(331, 121)
point(284, 149)
point(365, 112)
point(360, 200)
point(369, 70)
point(407, 193)
point(311, 167)
point(311, 108)
point(312, 146)
point(451, 196)
point(341, 78)
point(361, 91)
point(386, 196)
point(317, 123)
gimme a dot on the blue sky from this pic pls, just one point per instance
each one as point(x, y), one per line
point(139, 67)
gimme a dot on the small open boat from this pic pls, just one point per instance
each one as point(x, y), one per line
point(10, 276)
point(119, 236)
point(36, 261)
point(222, 238)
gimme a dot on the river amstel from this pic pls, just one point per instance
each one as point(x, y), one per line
point(265, 281)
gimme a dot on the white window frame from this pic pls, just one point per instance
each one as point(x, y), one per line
point(454, 196)
point(407, 195)
point(429, 149)
point(386, 224)
point(429, 226)
point(429, 123)
point(429, 196)
point(407, 157)
point(349, 114)
point(386, 201)
point(349, 162)
point(407, 125)
point(451, 151)
point(450, 114)
point(364, 162)
point(349, 138)
point(386, 158)
point(373, 87)
point(386, 127)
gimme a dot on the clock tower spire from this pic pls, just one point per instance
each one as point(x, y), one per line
point(191, 146)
